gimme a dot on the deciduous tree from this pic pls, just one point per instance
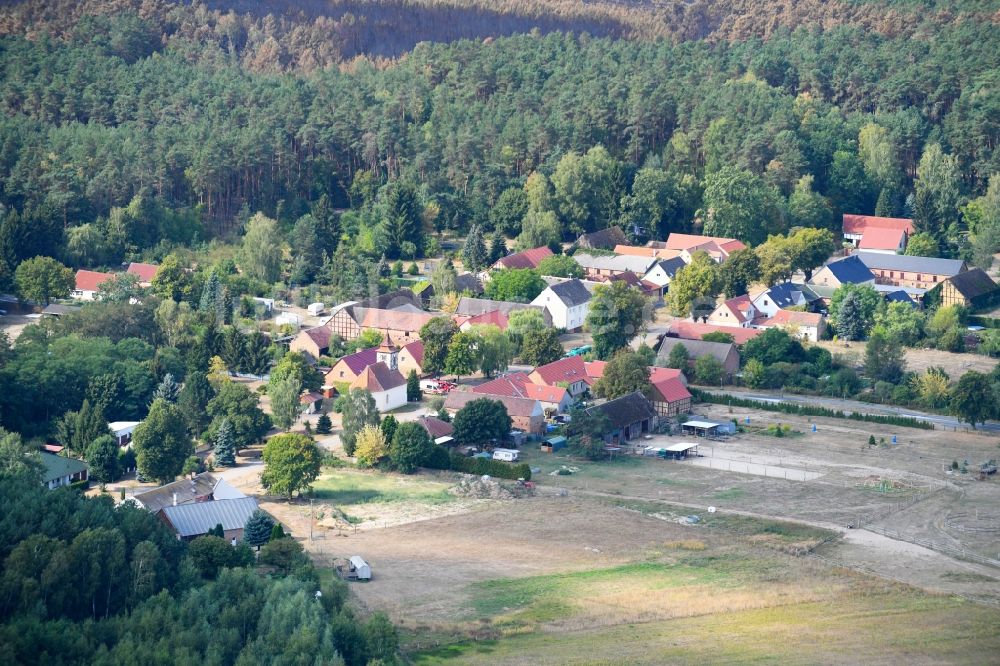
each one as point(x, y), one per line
point(161, 442)
point(617, 314)
point(410, 447)
point(625, 373)
point(359, 411)
point(43, 278)
point(482, 421)
point(291, 463)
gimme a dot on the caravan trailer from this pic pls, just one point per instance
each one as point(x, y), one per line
point(507, 455)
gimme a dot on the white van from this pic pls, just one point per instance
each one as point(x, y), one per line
point(507, 455)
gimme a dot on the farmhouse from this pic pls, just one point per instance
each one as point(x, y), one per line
point(884, 241)
point(630, 416)
point(904, 271)
point(605, 239)
point(970, 289)
point(525, 414)
point(690, 330)
point(61, 471)
point(724, 352)
point(663, 271)
point(312, 341)
point(739, 312)
point(145, 272)
point(87, 283)
point(197, 518)
point(670, 395)
point(201, 488)
point(607, 266)
point(782, 296)
point(570, 373)
point(567, 302)
point(526, 259)
point(471, 307)
point(519, 385)
point(802, 325)
point(856, 227)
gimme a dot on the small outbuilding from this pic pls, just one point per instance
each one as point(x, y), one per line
point(700, 428)
point(359, 568)
point(681, 450)
point(553, 444)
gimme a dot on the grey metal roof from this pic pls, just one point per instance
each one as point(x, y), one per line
point(618, 262)
point(199, 517)
point(186, 491)
point(902, 262)
point(571, 292)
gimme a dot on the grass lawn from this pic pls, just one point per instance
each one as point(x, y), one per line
point(348, 487)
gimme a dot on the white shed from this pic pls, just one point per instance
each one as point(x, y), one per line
point(316, 309)
point(361, 568)
point(287, 318)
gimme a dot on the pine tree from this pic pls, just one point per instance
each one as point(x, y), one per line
point(225, 444)
point(474, 252)
point(323, 424)
point(167, 389)
point(277, 532)
point(257, 530)
point(209, 293)
point(498, 247)
point(413, 392)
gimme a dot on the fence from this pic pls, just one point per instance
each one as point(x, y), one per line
point(960, 553)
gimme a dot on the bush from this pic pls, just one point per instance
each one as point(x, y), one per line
point(497, 468)
point(808, 410)
point(439, 458)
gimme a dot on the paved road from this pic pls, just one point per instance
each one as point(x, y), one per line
point(940, 421)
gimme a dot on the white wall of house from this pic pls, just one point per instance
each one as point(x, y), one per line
point(569, 318)
point(83, 295)
point(657, 276)
point(765, 305)
point(394, 398)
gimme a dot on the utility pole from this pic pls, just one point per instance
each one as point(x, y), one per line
point(311, 519)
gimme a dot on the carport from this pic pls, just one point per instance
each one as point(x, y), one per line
point(700, 428)
point(682, 450)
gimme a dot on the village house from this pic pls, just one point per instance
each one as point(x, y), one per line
point(402, 325)
point(724, 352)
point(802, 325)
point(884, 241)
point(349, 367)
point(629, 416)
point(195, 519)
point(61, 471)
point(569, 372)
point(312, 341)
point(970, 289)
point(87, 284)
point(145, 272)
point(856, 227)
point(519, 385)
point(567, 302)
point(663, 271)
point(200, 488)
point(604, 266)
point(691, 330)
point(783, 296)
point(670, 395)
point(438, 429)
point(905, 271)
point(605, 239)
point(525, 414)
point(472, 307)
point(739, 312)
point(850, 270)
point(526, 259)
point(411, 357)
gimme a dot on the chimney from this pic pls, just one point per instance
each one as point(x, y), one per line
point(175, 499)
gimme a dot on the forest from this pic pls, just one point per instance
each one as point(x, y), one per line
point(132, 130)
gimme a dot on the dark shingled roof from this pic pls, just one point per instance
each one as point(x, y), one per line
point(972, 284)
point(671, 266)
point(851, 270)
point(571, 292)
point(626, 410)
point(468, 282)
point(605, 239)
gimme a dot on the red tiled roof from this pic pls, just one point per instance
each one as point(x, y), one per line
point(570, 369)
point(690, 330)
point(688, 241)
point(320, 335)
point(515, 406)
point(91, 280)
point(670, 390)
point(145, 272)
point(358, 361)
point(378, 377)
point(637, 251)
point(657, 374)
point(795, 317)
point(857, 224)
point(518, 385)
point(310, 397)
point(881, 238)
point(739, 306)
point(395, 320)
point(526, 259)
point(595, 370)
point(497, 318)
point(416, 349)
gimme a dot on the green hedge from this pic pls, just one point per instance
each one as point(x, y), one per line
point(984, 321)
point(497, 468)
point(809, 410)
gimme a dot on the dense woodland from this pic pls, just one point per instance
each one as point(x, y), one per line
point(180, 113)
